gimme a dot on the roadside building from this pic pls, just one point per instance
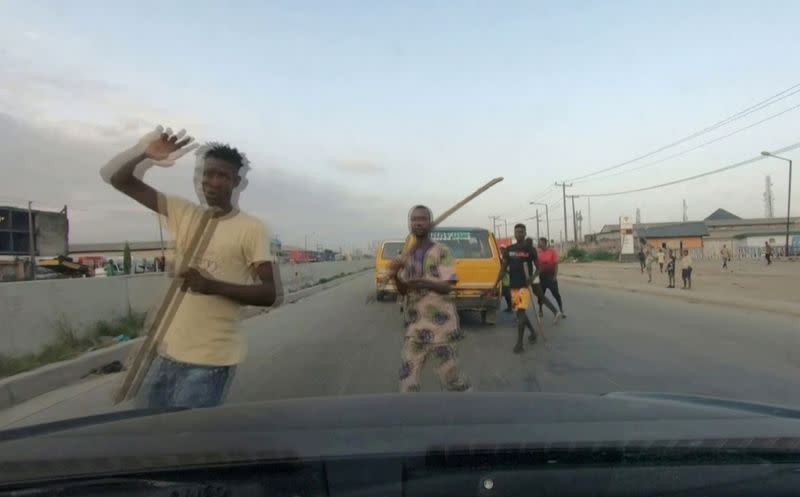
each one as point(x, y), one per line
point(744, 237)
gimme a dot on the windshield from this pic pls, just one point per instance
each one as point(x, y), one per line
point(205, 205)
point(392, 250)
point(465, 244)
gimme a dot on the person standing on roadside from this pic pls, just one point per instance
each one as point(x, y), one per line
point(650, 259)
point(725, 253)
point(641, 256)
point(662, 255)
point(548, 273)
point(686, 270)
point(671, 269)
point(425, 277)
point(202, 346)
point(768, 252)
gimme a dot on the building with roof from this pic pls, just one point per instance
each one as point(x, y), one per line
point(721, 228)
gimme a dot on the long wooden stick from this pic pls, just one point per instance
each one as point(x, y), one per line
point(157, 328)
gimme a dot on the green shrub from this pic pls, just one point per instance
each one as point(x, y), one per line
point(576, 253)
point(603, 255)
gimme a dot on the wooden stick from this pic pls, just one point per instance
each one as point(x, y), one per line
point(157, 328)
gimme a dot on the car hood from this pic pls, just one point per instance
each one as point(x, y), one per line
point(361, 426)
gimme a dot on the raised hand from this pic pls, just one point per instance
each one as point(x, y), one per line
point(164, 148)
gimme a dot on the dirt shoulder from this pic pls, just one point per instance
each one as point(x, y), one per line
point(745, 284)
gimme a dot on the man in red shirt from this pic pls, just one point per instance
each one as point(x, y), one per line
point(548, 275)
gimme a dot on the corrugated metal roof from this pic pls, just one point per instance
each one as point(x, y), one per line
point(675, 230)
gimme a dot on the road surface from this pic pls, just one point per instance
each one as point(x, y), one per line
point(333, 343)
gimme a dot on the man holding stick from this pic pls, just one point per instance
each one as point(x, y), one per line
point(425, 277)
point(231, 266)
point(518, 260)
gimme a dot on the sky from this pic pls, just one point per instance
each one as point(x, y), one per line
point(351, 112)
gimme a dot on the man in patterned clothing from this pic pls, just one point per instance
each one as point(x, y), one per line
point(425, 278)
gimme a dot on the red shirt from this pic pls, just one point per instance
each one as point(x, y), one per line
point(548, 260)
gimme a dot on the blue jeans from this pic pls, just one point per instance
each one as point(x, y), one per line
point(171, 383)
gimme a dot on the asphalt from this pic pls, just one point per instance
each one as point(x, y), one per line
point(334, 343)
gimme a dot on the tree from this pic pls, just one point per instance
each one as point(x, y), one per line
point(126, 259)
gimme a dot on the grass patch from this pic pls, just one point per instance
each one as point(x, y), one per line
point(69, 343)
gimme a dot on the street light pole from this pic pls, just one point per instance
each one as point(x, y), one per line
point(546, 217)
point(788, 200)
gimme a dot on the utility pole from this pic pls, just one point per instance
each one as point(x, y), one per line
point(685, 209)
point(546, 216)
point(769, 198)
point(537, 225)
point(574, 218)
point(564, 186)
point(494, 224)
point(31, 242)
point(506, 224)
point(589, 203)
point(579, 218)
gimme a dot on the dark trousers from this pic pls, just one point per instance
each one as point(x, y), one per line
point(549, 282)
point(769, 258)
point(686, 276)
point(541, 299)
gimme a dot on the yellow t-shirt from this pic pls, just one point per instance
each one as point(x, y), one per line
point(204, 329)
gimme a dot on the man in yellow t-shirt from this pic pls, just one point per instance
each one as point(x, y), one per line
point(202, 345)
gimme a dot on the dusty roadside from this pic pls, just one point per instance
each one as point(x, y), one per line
point(745, 284)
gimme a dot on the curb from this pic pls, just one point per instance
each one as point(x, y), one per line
point(25, 386)
point(785, 308)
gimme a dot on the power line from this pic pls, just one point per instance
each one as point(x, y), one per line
point(696, 176)
point(743, 113)
point(684, 152)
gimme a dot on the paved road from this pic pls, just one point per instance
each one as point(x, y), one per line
point(332, 343)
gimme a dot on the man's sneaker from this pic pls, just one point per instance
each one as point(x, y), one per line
point(532, 338)
point(518, 348)
point(558, 317)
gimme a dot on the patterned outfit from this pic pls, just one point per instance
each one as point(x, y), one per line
point(432, 321)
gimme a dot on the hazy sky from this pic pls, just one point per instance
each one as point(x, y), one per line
point(353, 111)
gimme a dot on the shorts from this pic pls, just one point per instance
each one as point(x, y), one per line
point(520, 298)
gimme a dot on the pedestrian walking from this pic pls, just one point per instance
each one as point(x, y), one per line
point(768, 252)
point(202, 345)
point(548, 273)
point(725, 253)
point(671, 269)
point(518, 260)
point(650, 259)
point(641, 256)
point(686, 270)
point(425, 277)
point(537, 289)
point(662, 255)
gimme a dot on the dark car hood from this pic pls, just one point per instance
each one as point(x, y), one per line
point(385, 425)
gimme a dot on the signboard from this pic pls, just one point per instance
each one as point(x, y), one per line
point(443, 236)
point(626, 235)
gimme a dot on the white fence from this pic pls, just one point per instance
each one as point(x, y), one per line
point(30, 311)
